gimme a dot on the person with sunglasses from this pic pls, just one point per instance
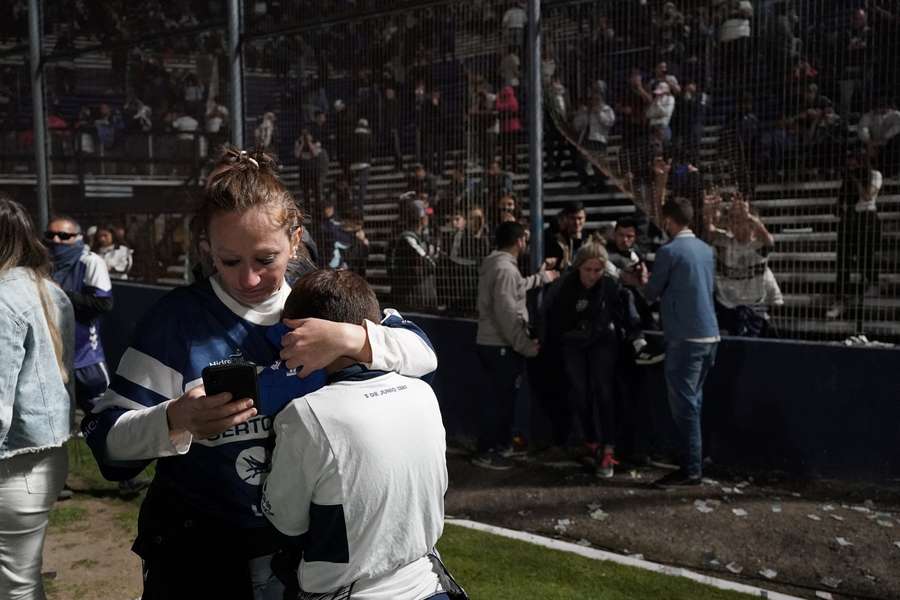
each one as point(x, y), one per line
point(84, 277)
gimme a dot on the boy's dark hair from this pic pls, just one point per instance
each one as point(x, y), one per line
point(679, 210)
point(508, 234)
point(340, 296)
point(626, 223)
point(571, 208)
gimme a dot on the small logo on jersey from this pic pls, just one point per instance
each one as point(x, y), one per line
point(581, 305)
point(235, 357)
point(252, 464)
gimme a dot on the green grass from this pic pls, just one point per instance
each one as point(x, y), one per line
point(127, 520)
point(84, 474)
point(84, 563)
point(491, 567)
point(67, 517)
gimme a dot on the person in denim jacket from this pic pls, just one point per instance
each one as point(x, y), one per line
point(37, 336)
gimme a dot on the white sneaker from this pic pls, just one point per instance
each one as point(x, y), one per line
point(639, 345)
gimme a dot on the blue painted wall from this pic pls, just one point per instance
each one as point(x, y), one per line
point(810, 409)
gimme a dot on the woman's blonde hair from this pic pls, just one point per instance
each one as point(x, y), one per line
point(590, 250)
point(23, 248)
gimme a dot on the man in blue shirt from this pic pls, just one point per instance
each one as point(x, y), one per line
point(683, 276)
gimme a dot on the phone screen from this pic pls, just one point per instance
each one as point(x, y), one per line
point(238, 379)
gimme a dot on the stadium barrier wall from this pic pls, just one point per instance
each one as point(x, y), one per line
point(809, 409)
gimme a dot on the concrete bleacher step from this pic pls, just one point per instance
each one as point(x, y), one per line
point(803, 186)
point(170, 281)
point(590, 210)
point(798, 257)
point(824, 301)
point(798, 220)
point(831, 277)
point(826, 236)
point(829, 327)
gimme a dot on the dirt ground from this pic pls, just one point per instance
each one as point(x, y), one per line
point(836, 537)
point(825, 534)
point(87, 554)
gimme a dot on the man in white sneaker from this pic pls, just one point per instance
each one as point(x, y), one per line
point(503, 340)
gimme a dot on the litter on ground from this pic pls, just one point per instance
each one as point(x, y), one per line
point(599, 515)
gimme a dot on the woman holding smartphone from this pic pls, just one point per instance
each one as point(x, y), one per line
point(201, 532)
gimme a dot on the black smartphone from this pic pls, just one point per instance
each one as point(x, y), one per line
point(238, 379)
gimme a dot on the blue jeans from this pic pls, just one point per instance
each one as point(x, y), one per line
point(687, 365)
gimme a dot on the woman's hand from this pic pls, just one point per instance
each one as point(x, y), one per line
point(314, 344)
point(204, 416)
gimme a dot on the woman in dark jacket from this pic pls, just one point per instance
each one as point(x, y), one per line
point(589, 317)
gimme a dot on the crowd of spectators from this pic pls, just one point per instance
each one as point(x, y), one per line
point(649, 90)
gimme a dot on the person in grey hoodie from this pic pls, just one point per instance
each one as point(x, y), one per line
point(503, 340)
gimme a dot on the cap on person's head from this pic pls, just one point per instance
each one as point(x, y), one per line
point(662, 88)
point(363, 123)
point(338, 104)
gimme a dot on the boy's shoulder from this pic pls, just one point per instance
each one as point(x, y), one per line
point(297, 414)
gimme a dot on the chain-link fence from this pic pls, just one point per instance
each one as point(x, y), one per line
point(421, 115)
point(135, 98)
point(402, 129)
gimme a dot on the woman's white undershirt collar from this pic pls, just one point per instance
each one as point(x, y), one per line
point(267, 312)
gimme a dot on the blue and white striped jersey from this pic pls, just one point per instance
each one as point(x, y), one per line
point(189, 329)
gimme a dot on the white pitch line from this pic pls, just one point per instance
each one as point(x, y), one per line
point(595, 554)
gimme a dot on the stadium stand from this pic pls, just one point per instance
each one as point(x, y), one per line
point(759, 142)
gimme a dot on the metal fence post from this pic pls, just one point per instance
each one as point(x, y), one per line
point(535, 135)
point(236, 62)
point(39, 117)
